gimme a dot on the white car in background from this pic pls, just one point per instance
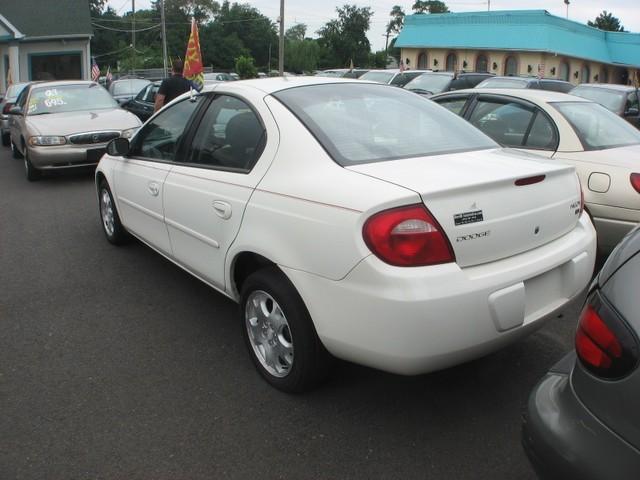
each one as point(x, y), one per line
point(351, 219)
point(393, 77)
point(603, 147)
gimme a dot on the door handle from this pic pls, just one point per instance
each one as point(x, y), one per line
point(153, 188)
point(222, 209)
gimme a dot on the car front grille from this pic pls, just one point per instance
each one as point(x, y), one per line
point(92, 137)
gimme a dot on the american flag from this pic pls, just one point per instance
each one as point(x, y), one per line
point(95, 70)
point(109, 77)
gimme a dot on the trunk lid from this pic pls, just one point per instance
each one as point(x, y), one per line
point(474, 197)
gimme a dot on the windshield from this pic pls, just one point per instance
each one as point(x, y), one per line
point(433, 83)
point(69, 98)
point(609, 99)
point(502, 83)
point(363, 123)
point(127, 87)
point(380, 77)
point(14, 90)
point(597, 127)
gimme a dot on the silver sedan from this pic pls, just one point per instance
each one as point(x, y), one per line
point(65, 124)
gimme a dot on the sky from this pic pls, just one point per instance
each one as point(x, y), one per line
point(315, 13)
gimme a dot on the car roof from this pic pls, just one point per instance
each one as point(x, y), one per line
point(275, 84)
point(526, 94)
point(608, 86)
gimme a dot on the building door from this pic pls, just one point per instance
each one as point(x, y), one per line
point(55, 66)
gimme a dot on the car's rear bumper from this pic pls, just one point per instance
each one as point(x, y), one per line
point(65, 156)
point(415, 320)
point(564, 440)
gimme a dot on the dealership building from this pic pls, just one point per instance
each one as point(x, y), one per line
point(44, 40)
point(519, 42)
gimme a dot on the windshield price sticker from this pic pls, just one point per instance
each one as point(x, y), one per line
point(54, 99)
point(468, 217)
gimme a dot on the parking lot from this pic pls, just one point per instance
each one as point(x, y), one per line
point(114, 363)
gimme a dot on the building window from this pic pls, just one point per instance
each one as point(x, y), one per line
point(422, 61)
point(604, 75)
point(452, 62)
point(55, 66)
point(511, 66)
point(482, 64)
point(563, 74)
point(585, 74)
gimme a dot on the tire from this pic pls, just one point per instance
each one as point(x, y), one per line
point(6, 140)
point(32, 173)
point(14, 150)
point(109, 218)
point(289, 354)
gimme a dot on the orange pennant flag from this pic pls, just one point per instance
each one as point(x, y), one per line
point(193, 69)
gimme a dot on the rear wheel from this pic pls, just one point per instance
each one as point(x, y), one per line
point(279, 333)
point(32, 173)
point(111, 226)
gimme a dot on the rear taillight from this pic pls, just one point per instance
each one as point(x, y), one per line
point(407, 237)
point(604, 343)
point(635, 181)
point(6, 108)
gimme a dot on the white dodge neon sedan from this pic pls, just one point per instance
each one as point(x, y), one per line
point(350, 219)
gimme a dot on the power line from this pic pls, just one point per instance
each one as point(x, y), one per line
point(125, 31)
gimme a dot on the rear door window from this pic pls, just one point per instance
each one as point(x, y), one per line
point(543, 134)
point(453, 104)
point(504, 121)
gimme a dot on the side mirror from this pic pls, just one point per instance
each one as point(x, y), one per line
point(632, 112)
point(15, 110)
point(118, 147)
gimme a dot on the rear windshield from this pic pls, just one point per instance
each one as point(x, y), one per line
point(609, 99)
point(402, 79)
point(430, 83)
point(597, 127)
point(126, 87)
point(363, 123)
point(380, 77)
point(14, 90)
point(502, 83)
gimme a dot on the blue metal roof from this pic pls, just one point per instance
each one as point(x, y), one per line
point(531, 30)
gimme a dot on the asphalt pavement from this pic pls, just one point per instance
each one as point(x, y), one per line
point(116, 364)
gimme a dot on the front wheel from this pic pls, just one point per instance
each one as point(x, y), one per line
point(111, 226)
point(279, 333)
point(32, 172)
point(6, 139)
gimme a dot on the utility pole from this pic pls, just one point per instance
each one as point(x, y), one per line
point(133, 31)
point(386, 42)
point(164, 40)
point(566, 2)
point(488, 5)
point(281, 43)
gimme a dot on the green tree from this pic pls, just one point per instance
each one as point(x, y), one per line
point(296, 32)
point(255, 32)
point(301, 55)
point(397, 20)
point(606, 21)
point(245, 67)
point(430, 6)
point(96, 7)
point(345, 39)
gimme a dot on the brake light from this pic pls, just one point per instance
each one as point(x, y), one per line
point(604, 343)
point(6, 108)
point(635, 181)
point(407, 237)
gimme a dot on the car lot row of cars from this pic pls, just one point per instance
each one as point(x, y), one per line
point(357, 221)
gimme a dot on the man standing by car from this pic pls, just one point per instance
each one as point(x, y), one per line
point(172, 87)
